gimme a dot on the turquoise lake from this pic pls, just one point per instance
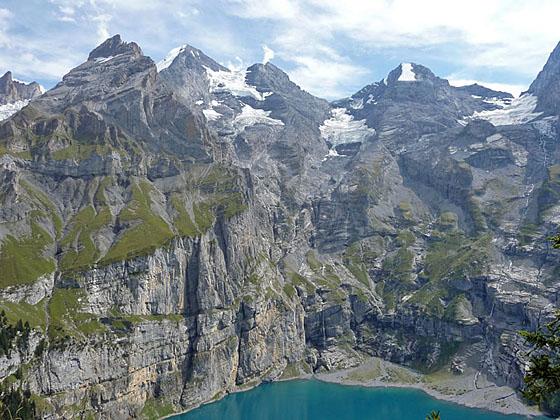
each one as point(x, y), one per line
point(315, 400)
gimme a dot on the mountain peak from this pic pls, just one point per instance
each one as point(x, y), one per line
point(114, 46)
point(268, 71)
point(409, 72)
point(547, 84)
point(13, 90)
point(190, 57)
point(269, 78)
point(476, 89)
point(7, 78)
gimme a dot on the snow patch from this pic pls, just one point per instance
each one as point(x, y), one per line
point(211, 115)
point(100, 60)
point(233, 81)
point(341, 128)
point(501, 102)
point(268, 54)
point(250, 116)
point(520, 111)
point(21, 81)
point(332, 153)
point(8, 110)
point(357, 103)
point(371, 100)
point(407, 73)
point(170, 57)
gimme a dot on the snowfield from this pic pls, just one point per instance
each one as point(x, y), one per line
point(250, 116)
point(8, 110)
point(234, 83)
point(520, 111)
point(407, 73)
point(210, 114)
point(342, 128)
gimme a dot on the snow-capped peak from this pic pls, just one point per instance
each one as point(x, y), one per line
point(166, 62)
point(407, 73)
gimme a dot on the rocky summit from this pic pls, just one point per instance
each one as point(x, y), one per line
point(173, 232)
point(14, 94)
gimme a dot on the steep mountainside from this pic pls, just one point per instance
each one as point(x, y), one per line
point(172, 232)
point(14, 94)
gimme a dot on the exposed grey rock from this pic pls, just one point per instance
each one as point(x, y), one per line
point(12, 90)
point(547, 85)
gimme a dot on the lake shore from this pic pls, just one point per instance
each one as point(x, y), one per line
point(470, 389)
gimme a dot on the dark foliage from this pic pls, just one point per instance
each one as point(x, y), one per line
point(16, 404)
point(10, 334)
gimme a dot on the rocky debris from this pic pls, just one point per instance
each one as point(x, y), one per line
point(457, 366)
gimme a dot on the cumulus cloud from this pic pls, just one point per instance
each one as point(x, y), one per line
point(268, 54)
point(264, 9)
point(323, 76)
point(102, 26)
point(5, 16)
point(507, 32)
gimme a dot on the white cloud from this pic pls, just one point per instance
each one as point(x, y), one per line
point(67, 13)
point(268, 54)
point(264, 9)
point(5, 16)
point(324, 77)
point(102, 26)
point(509, 33)
point(500, 34)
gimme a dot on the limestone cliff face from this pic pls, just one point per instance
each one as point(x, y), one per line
point(174, 232)
point(13, 90)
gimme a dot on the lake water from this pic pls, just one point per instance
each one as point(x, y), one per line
point(315, 400)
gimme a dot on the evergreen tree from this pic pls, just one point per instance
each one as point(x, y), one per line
point(542, 380)
point(434, 415)
point(16, 404)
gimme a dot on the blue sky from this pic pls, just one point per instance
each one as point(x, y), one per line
point(330, 47)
